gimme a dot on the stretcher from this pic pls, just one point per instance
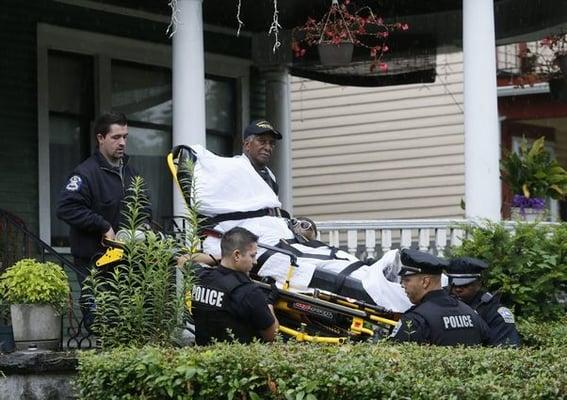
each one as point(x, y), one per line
point(228, 192)
point(335, 309)
point(318, 316)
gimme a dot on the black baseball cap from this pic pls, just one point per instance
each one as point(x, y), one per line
point(465, 270)
point(420, 262)
point(259, 127)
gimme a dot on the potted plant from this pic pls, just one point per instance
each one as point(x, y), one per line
point(339, 30)
point(37, 293)
point(533, 176)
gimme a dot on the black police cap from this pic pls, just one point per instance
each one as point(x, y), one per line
point(259, 127)
point(419, 262)
point(464, 270)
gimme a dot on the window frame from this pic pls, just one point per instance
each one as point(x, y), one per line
point(105, 48)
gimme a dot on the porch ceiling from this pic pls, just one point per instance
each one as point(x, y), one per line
point(433, 25)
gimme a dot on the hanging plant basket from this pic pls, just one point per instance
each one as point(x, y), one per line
point(335, 54)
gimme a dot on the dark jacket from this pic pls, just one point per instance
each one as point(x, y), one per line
point(227, 305)
point(443, 320)
point(500, 320)
point(91, 202)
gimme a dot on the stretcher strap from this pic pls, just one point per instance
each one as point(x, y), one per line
point(342, 276)
point(237, 215)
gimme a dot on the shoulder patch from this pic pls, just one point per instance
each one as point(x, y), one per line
point(506, 314)
point(396, 328)
point(74, 183)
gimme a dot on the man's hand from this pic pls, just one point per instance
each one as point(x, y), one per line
point(274, 294)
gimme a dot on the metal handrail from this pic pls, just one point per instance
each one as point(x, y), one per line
point(16, 223)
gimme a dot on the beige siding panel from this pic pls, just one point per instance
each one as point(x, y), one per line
point(371, 205)
point(404, 144)
point(362, 126)
point(339, 178)
point(376, 186)
point(382, 195)
point(375, 137)
point(379, 153)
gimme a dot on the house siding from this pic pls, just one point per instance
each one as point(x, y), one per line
point(380, 153)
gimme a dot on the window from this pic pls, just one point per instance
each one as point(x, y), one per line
point(143, 93)
point(70, 114)
point(82, 74)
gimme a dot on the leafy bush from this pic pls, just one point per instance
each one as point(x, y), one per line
point(33, 282)
point(533, 173)
point(543, 335)
point(138, 301)
point(528, 265)
point(307, 371)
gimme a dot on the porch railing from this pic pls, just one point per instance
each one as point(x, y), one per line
point(372, 238)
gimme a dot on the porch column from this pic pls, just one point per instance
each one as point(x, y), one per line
point(482, 134)
point(278, 112)
point(188, 81)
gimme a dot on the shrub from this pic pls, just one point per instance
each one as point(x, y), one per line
point(33, 282)
point(308, 371)
point(138, 301)
point(528, 266)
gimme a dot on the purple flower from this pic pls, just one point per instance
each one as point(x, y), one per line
point(523, 202)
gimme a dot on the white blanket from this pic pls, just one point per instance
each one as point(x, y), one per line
point(226, 185)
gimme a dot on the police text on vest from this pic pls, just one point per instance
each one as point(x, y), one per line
point(208, 296)
point(458, 321)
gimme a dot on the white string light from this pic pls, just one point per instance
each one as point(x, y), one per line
point(275, 27)
point(240, 23)
point(171, 28)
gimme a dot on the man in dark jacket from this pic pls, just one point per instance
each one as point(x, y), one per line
point(91, 201)
point(226, 304)
point(436, 317)
point(465, 282)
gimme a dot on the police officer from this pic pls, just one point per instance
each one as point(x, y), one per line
point(465, 282)
point(436, 317)
point(258, 143)
point(226, 304)
point(91, 200)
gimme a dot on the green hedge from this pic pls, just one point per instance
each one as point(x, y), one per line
point(352, 371)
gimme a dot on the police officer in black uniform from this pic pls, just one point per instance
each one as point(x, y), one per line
point(465, 282)
point(226, 304)
point(436, 317)
point(258, 143)
point(91, 201)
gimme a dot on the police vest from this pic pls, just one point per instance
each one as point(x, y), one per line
point(500, 320)
point(214, 309)
point(451, 321)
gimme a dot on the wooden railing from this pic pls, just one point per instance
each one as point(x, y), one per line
point(373, 237)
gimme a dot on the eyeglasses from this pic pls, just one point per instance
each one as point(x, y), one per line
point(302, 224)
point(264, 142)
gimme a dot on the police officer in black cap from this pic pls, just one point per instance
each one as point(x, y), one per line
point(436, 317)
point(465, 282)
point(258, 143)
point(226, 304)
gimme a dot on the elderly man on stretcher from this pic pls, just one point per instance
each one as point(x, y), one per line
point(229, 192)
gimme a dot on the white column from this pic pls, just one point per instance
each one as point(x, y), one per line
point(189, 124)
point(278, 112)
point(482, 134)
